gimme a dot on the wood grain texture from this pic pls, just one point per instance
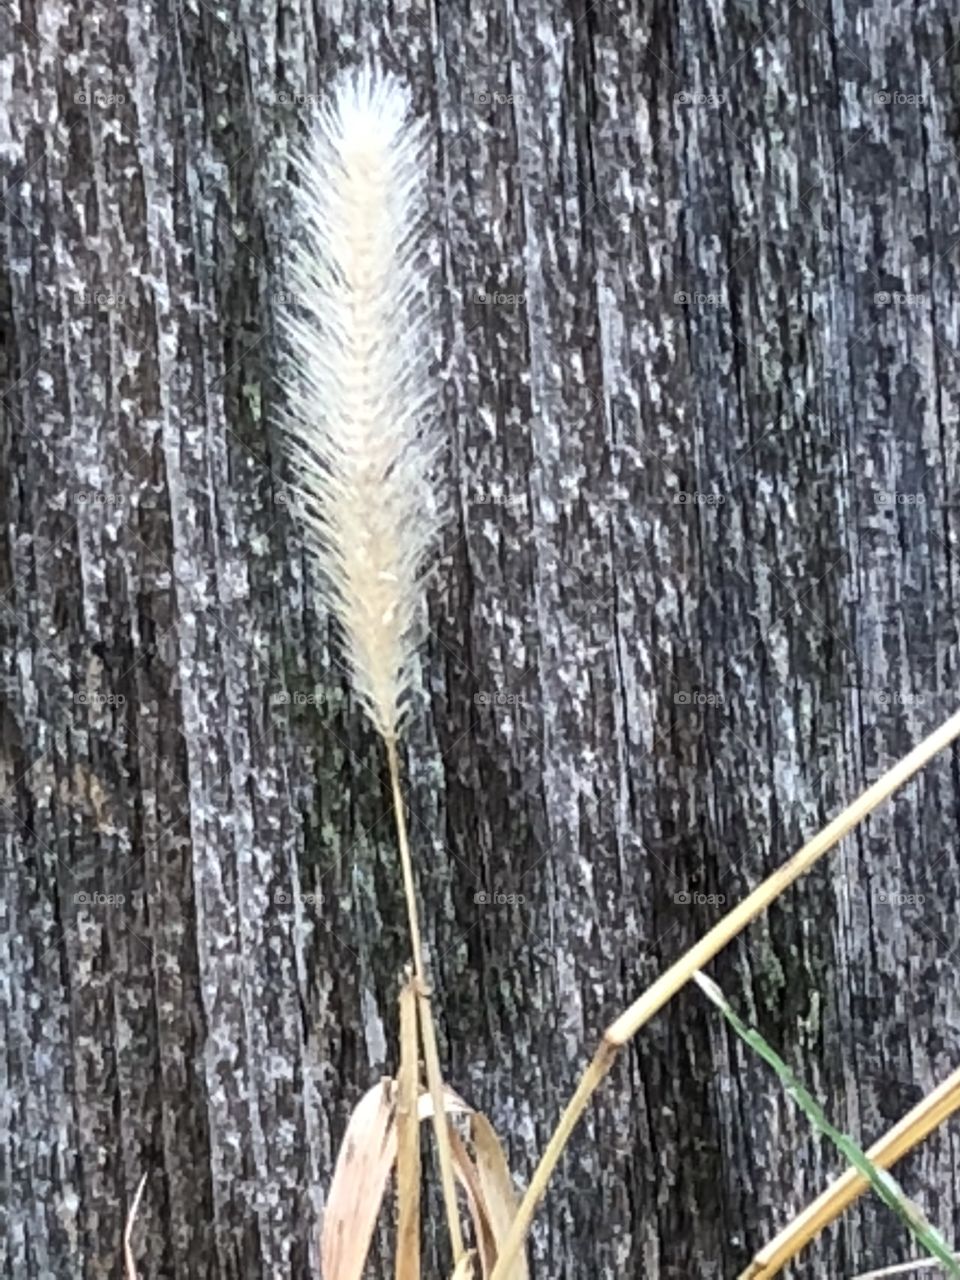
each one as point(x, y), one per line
point(697, 347)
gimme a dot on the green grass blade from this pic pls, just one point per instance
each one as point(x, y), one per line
point(885, 1186)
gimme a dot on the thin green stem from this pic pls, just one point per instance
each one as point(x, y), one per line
point(882, 1182)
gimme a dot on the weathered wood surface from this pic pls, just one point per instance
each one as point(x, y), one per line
point(734, 231)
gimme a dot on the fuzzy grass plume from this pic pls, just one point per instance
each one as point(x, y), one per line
point(359, 419)
point(359, 428)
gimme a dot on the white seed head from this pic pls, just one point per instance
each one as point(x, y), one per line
point(358, 419)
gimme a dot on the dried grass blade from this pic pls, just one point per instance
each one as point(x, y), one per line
point(469, 1179)
point(499, 1194)
point(359, 1184)
point(901, 1269)
point(882, 1183)
point(916, 1125)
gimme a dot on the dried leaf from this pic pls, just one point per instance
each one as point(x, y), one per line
point(359, 1184)
point(464, 1268)
point(499, 1196)
point(453, 1104)
point(408, 1142)
point(367, 1156)
point(469, 1179)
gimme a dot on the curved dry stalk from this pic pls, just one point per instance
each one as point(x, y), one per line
point(926, 1116)
point(681, 971)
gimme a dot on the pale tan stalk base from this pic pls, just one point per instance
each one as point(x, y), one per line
point(680, 973)
point(926, 1116)
point(427, 1032)
point(407, 1264)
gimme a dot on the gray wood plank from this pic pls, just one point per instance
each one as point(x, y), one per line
point(696, 588)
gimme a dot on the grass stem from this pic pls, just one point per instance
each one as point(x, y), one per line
point(408, 1139)
point(427, 1031)
point(682, 970)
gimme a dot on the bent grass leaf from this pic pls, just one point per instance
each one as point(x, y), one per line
point(885, 1186)
point(375, 1139)
point(499, 1195)
point(367, 1154)
point(469, 1179)
point(366, 1159)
